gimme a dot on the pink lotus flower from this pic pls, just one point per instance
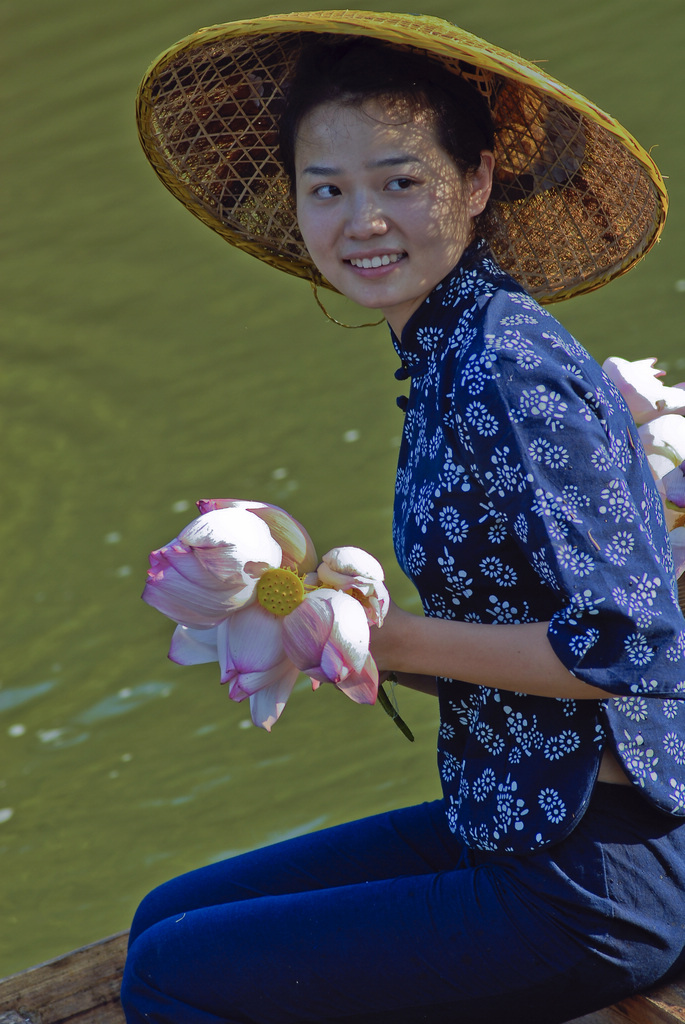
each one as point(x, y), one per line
point(239, 582)
point(358, 572)
point(664, 438)
point(659, 412)
point(645, 395)
point(664, 443)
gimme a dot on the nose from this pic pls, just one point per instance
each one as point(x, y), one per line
point(365, 217)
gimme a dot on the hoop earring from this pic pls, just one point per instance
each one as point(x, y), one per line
point(351, 327)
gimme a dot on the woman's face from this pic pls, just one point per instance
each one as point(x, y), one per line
point(382, 207)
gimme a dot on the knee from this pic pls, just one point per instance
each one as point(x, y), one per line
point(137, 985)
point(164, 979)
point(155, 964)
point(155, 907)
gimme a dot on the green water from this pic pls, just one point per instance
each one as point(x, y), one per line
point(145, 364)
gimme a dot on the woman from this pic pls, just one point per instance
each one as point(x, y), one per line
point(548, 882)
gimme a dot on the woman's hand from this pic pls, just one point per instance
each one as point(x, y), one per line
point(423, 684)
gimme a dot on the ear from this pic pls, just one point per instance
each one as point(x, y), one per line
point(480, 184)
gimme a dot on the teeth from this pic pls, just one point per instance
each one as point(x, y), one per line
point(376, 261)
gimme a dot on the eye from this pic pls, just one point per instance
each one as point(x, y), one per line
point(326, 191)
point(400, 184)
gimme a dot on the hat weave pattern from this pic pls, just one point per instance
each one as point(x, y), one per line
point(576, 201)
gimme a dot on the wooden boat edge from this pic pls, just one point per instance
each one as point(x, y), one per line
point(81, 986)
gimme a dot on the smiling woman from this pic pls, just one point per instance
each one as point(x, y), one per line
point(383, 209)
point(549, 880)
point(390, 179)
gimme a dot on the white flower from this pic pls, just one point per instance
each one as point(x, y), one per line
point(355, 570)
point(665, 436)
point(239, 582)
point(644, 394)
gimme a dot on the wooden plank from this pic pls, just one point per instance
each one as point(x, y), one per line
point(613, 1015)
point(81, 987)
point(600, 1017)
point(665, 1005)
point(668, 1002)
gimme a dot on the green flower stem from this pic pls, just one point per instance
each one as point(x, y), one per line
point(391, 710)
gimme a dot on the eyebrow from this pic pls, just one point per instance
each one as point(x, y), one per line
point(388, 161)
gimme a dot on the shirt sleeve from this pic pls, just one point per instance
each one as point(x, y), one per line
point(558, 455)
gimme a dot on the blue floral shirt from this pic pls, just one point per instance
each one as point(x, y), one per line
point(523, 494)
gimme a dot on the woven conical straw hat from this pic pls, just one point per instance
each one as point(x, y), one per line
point(577, 201)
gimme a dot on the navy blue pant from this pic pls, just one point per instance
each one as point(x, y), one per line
point(388, 919)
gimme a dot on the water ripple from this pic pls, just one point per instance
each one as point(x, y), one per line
point(124, 701)
point(12, 698)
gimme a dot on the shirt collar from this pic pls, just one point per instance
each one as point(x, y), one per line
point(475, 277)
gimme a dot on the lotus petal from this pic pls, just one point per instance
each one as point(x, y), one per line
point(266, 705)
point(298, 549)
point(193, 646)
point(677, 539)
point(309, 628)
point(674, 485)
point(180, 588)
point(352, 562)
point(665, 436)
point(253, 662)
point(362, 687)
point(327, 637)
point(297, 546)
point(211, 504)
point(236, 692)
point(249, 645)
point(306, 630)
point(333, 668)
point(232, 541)
point(350, 631)
point(250, 682)
point(643, 392)
point(660, 466)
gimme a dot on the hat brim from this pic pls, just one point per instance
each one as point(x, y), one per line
point(576, 200)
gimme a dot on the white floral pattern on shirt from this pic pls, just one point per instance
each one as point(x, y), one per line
point(523, 495)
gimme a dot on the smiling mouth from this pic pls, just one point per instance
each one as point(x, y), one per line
point(369, 262)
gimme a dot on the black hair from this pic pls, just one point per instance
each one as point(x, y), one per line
point(350, 69)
